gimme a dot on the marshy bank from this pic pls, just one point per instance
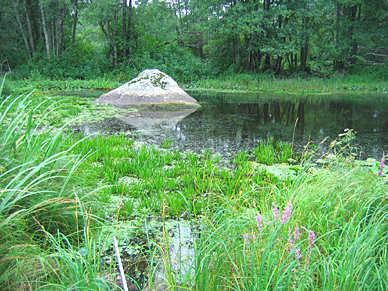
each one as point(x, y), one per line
point(64, 196)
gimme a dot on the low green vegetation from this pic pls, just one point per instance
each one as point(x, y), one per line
point(242, 86)
point(44, 85)
point(329, 236)
point(295, 86)
point(269, 152)
point(270, 218)
point(65, 196)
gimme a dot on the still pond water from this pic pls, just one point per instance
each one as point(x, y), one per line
point(228, 124)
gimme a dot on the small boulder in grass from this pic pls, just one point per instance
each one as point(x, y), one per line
point(150, 87)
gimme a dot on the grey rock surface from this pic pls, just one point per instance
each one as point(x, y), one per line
point(150, 87)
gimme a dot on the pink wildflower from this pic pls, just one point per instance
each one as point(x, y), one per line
point(298, 255)
point(296, 233)
point(275, 211)
point(312, 237)
point(287, 213)
point(259, 220)
point(382, 165)
point(293, 237)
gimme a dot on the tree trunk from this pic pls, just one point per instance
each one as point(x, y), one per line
point(267, 61)
point(117, 51)
point(110, 38)
point(22, 31)
point(52, 37)
point(129, 35)
point(105, 30)
point(45, 31)
point(61, 30)
point(28, 10)
point(75, 21)
point(124, 28)
point(304, 54)
point(304, 50)
point(338, 62)
point(278, 64)
point(354, 16)
point(266, 6)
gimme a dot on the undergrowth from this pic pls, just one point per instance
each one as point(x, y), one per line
point(64, 197)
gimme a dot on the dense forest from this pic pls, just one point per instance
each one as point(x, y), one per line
point(191, 38)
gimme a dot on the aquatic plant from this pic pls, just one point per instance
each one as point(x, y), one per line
point(270, 152)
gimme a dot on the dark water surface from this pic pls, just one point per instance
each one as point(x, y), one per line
point(226, 125)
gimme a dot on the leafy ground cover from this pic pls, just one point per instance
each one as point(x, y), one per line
point(65, 196)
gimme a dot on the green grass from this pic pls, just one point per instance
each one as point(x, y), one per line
point(350, 84)
point(346, 209)
point(64, 197)
point(153, 179)
point(45, 85)
point(268, 152)
point(310, 86)
point(35, 198)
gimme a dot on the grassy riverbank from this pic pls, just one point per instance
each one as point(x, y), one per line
point(64, 197)
point(355, 85)
point(259, 83)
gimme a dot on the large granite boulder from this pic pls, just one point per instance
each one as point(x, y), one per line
point(150, 87)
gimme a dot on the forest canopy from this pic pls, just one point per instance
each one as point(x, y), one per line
point(191, 38)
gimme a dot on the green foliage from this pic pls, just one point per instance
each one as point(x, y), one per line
point(351, 84)
point(35, 175)
point(270, 152)
point(42, 211)
point(64, 197)
point(82, 64)
point(81, 61)
point(339, 204)
point(176, 61)
point(191, 39)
